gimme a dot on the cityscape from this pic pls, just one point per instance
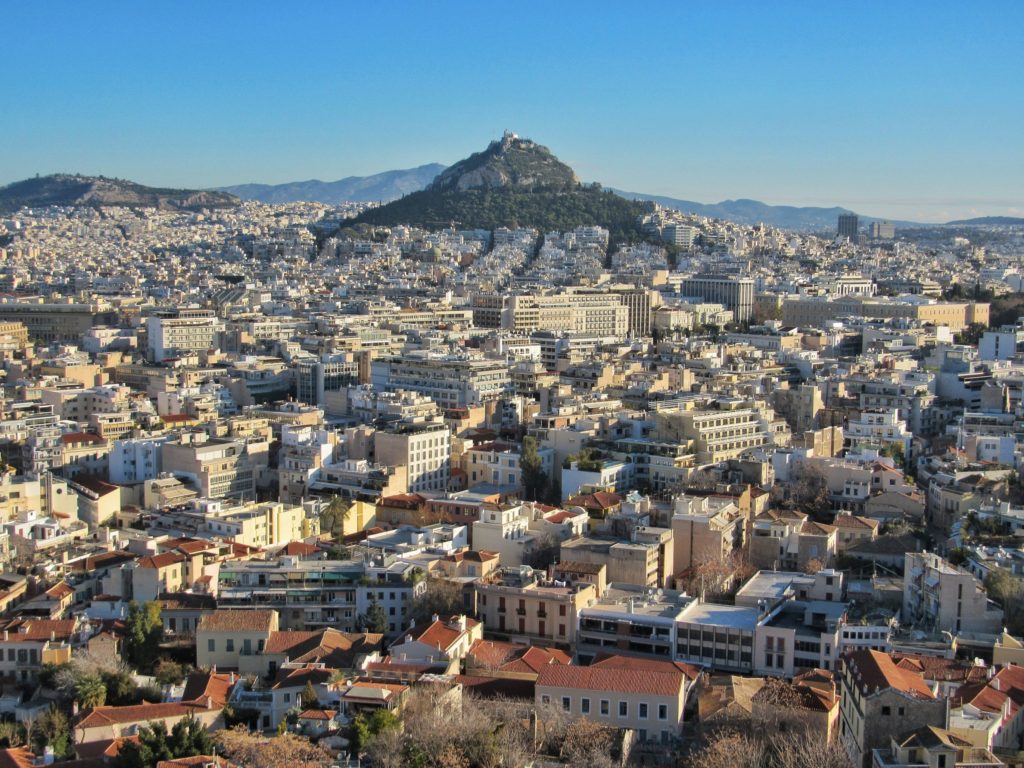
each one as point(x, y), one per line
point(489, 463)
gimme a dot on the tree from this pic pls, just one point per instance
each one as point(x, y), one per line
point(169, 672)
point(90, 692)
point(971, 335)
point(358, 735)
point(439, 597)
point(121, 688)
point(188, 738)
point(144, 632)
point(809, 491)
point(587, 745)
point(385, 749)
point(332, 516)
point(535, 479)
point(51, 729)
point(309, 697)
point(375, 619)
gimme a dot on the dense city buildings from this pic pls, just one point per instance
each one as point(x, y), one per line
point(706, 476)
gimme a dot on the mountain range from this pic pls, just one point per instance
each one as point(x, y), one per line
point(505, 165)
point(382, 187)
point(72, 189)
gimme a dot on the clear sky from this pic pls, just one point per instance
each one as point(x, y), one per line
point(911, 110)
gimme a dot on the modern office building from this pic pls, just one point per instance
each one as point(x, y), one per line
point(736, 294)
point(849, 225)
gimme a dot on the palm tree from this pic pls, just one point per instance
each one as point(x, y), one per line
point(333, 515)
point(90, 692)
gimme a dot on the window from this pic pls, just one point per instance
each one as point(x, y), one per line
point(901, 711)
point(545, 699)
point(886, 711)
point(623, 709)
point(287, 698)
point(230, 645)
point(642, 711)
point(566, 703)
point(585, 706)
point(663, 712)
point(604, 706)
point(211, 645)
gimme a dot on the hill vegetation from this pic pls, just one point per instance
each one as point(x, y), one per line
point(513, 183)
point(68, 190)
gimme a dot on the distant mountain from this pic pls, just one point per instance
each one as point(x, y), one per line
point(513, 183)
point(992, 221)
point(385, 187)
point(753, 212)
point(68, 189)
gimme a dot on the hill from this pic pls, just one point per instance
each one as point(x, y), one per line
point(385, 187)
point(989, 221)
point(510, 162)
point(66, 190)
point(513, 183)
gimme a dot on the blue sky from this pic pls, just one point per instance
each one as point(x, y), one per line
point(907, 110)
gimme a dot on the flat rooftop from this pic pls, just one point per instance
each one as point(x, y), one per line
point(715, 615)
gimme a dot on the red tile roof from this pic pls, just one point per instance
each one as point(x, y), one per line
point(874, 670)
point(165, 560)
point(612, 680)
point(70, 438)
point(439, 634)
point(135, 713)
point(208, 689)
point(17, 757)
point(37, 630)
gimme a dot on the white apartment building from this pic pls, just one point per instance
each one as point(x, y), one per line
point(451, 381)
point(424, 448)
point(187, 330)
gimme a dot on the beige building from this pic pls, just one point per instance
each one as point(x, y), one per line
point(528, 608)
point(230, 639)
point(423, 448)
point(648, 559)
point(216, 467)
point(705, 529)
point(817, 311)
point(644, 695)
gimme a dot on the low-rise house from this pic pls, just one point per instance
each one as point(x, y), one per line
point(442, 643)
point(27, 644)
point(645, 695)
point(933, 746)
point(234, 639)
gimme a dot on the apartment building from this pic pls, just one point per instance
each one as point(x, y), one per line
point(879, 701)
point(632, 620)
point(524, 606)
point(423, 447)
point(704, 529)
point(940, 596)
point(313, 594)
point(452, 382)
point(217, 467)
point(172, 334)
